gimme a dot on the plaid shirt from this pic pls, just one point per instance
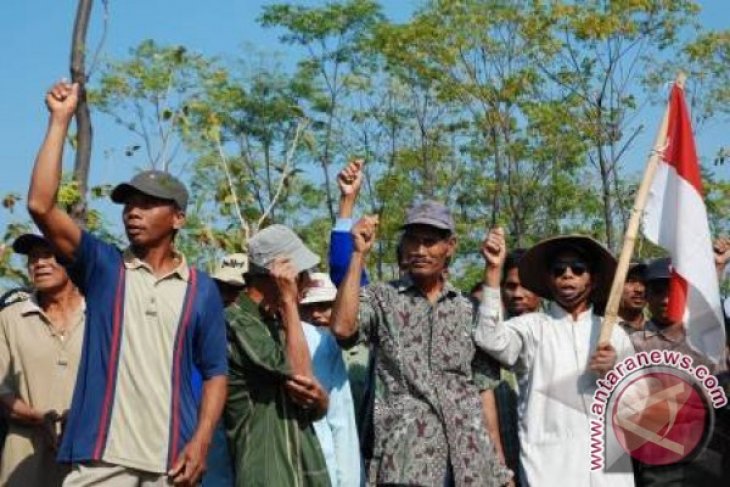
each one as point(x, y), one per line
point(428, 374)
point(272, 440)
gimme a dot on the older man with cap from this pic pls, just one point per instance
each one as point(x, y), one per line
point(553, 354)
point(150, 321)
point(428, 422)
point(337, 430)
point(273, 396)
point(40, 348)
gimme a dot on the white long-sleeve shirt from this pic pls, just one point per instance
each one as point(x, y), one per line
point(550, 352)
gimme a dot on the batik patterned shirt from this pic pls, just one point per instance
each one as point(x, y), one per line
point(428, 374)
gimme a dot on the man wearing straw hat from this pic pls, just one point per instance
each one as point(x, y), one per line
point(554, 354)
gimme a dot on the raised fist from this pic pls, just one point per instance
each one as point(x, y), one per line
point(62, 99)
point(364, 233)
point(494, 248)
point(350, 178)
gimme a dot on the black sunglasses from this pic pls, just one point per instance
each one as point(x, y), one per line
point(577, 267)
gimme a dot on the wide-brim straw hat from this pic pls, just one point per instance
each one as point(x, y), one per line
point(534, 268)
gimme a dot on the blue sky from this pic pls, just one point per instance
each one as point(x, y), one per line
point(35, 43)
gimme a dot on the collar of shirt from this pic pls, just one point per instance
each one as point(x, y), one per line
point(559, 313)
point(31, 306)
point(651, 329)
point(406, 284)
point(246, 304)
point(182, 271)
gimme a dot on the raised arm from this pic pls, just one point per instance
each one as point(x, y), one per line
point(57, 226)
point(509, 343)
point(349, 181)
point(345, 309)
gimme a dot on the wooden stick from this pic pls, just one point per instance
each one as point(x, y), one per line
point(614, 300)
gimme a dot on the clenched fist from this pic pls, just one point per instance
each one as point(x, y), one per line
point(62, 99)
point(364, 233)
point(494, 248)
point(494, 251)
point(350, 178)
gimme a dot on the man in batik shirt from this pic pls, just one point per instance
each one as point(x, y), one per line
point(428, 422)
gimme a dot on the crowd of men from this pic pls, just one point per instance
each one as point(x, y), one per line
point(133, 368)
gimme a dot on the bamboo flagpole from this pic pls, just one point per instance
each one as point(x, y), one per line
point(614, 300)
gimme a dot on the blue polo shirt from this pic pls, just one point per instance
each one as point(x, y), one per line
point(195, 340)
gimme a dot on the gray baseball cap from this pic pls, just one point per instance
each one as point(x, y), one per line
point(431, 213)
point(159, 184)
point(278, 241)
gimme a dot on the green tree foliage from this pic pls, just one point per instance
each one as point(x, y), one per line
point(333, 37)
point(518, 113)
point(150, 94)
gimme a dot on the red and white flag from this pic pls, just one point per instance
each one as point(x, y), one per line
point(675, 218)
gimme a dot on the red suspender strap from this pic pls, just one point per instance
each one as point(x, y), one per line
point(111, 366)
point(177, 365)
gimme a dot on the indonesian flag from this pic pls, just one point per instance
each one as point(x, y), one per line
point(676, 219)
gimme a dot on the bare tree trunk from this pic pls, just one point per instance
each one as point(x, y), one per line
point(83, 117)
point(497, 178)
point(607, 199)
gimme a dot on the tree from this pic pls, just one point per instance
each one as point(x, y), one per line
point(83, 117)
point(149, 94)
point(241, 136)
point(599, 53)
point(333, 37)
point(476, 56)
point(250, 135)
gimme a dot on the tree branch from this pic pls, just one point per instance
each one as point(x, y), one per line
point(231, 187)
point(286, 170)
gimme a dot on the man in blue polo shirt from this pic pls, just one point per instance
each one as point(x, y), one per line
point(151, 319)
